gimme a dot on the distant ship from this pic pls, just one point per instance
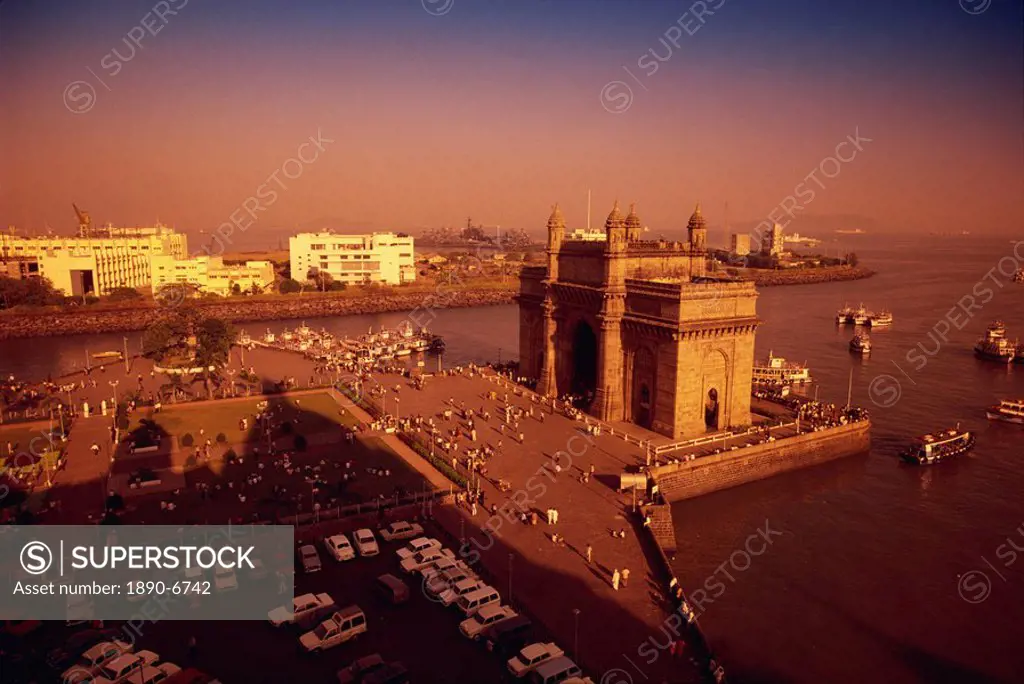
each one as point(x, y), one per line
point(855, 231)
point(930, 449)
point(881, 319)
point(860, 344)
point(994, 346)
point(858, 316)
point(777, 371)
point(797, 238)
point(1008, 411)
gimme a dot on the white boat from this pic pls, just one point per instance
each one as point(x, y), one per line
point(880, 320)
point(861, 316)
point(269, 337)
point(930, 449)
point(860, 344)
point(1008, 411)
point(777, 371)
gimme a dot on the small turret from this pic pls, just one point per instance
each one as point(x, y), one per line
point(633, 229)
point(556, 234)
point(615, 229)
point(697, 228)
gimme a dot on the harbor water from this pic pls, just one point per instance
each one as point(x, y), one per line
point(873, 571)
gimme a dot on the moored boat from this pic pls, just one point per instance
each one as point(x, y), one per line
point(844, 315)
point(933, 449)
point(861, 316)
point(880, 319)
point(1008, 411)
point(777, 371)
point(860, 344)
point(994, 346)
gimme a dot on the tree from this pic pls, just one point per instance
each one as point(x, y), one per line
point(236, 289)
point(289, 286)
point(322, 279)
point(28, 292)
point(851, 259)
point(123, 294)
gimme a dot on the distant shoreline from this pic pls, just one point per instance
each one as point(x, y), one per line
point(96, 319)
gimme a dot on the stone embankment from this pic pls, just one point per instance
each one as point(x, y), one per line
point(88, 320)
point(807, 276)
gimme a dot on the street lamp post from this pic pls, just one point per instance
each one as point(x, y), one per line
point(126, 366)
point(510, 557)
point(576, 634)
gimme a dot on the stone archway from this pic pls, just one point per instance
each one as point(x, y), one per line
point(584, 362)
point(642, 401)
point(711, 410)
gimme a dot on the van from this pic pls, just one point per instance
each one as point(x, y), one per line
point(554, 671)
point(471, 603)
point(508, 636)
point(392, 589)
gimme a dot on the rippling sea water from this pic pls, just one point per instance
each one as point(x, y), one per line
point(882, 572)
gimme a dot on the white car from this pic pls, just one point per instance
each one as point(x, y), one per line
point(487, 616)
point(425, 559)
point(346, 624)
point(438, 583)
point(124, 668)
point(302, 608)
point(444, 565)
point(339, 547)
point(457, 589)
point(401, 530)
point(365, 543)
point(531, 656)
point(310, 558)
point(224, 579)
point(415, 546)
point(95, 658)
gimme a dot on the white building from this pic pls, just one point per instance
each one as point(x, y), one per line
point(354, 259)
point(95, 262)
point(772, 242)
point(211, 275)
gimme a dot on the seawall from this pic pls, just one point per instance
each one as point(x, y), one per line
point(707, 474)
point(88, 320)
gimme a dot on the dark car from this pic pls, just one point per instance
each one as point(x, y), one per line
point(64, 656)
point(392, 589)
point(392, 673)
point(508, 636)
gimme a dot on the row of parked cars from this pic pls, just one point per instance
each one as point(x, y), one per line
point(110, 661)
point(451, 582)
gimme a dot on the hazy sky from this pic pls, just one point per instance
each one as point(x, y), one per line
point(433, 111)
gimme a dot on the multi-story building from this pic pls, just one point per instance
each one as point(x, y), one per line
point(739, 244)
point(354, 259)
point(211, 275)
point(772, 242)
point(94, 262)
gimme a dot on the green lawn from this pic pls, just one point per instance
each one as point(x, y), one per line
point(311, 414)
point(25, 440)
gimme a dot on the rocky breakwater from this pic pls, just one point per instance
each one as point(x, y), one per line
point(807, 276)
point(92, 319)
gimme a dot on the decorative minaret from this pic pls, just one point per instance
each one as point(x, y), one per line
point(547, 385)
point(698, 230)
point(633, 228)
point(608, 402)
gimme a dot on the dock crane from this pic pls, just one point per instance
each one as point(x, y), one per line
point(84, 221)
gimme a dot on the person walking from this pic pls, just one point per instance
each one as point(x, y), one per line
point(554, 516)
point(615, 579)
point(590, 554)
point(625, 577)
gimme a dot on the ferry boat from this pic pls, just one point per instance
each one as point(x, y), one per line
point(269, 337)
point(844, 315)
point(860, 344)
point(1009, 411)
point(931, 449)
point(861, 316)
point(994, 346)
point(777, 371)
point(880, 320)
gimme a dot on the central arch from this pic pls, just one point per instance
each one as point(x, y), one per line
point(584, 362)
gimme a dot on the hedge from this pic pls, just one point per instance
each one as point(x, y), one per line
point(442, 465)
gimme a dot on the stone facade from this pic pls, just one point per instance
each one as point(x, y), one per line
point(639, 329)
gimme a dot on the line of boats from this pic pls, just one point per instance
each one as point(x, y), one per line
point(861, 316)
point(372, 347)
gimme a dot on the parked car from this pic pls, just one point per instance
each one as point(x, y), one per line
point(487, 616)
point(554, 671)
point(339, 547)
point(94, 658)
point(509, 637)
point(303, 608)
point(461, 588)
point(415, 546)
point(393, 589)
point(401, 530)
point(438, 583)
point(149, 674)
point(121, 668)
point(358, 670)
point(425, 559)
point(532, 656)
point(346, 624)
point(310, 558)
point(224, 579)
point(61, 657)
point(365, 542)
point(442, 564)
point(392, 673)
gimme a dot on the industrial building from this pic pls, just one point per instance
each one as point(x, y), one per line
point(211, 275)
point(354, 259)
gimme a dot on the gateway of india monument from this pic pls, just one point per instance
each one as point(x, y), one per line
point(638, 329)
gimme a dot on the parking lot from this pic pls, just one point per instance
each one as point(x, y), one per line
point(422, 634)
